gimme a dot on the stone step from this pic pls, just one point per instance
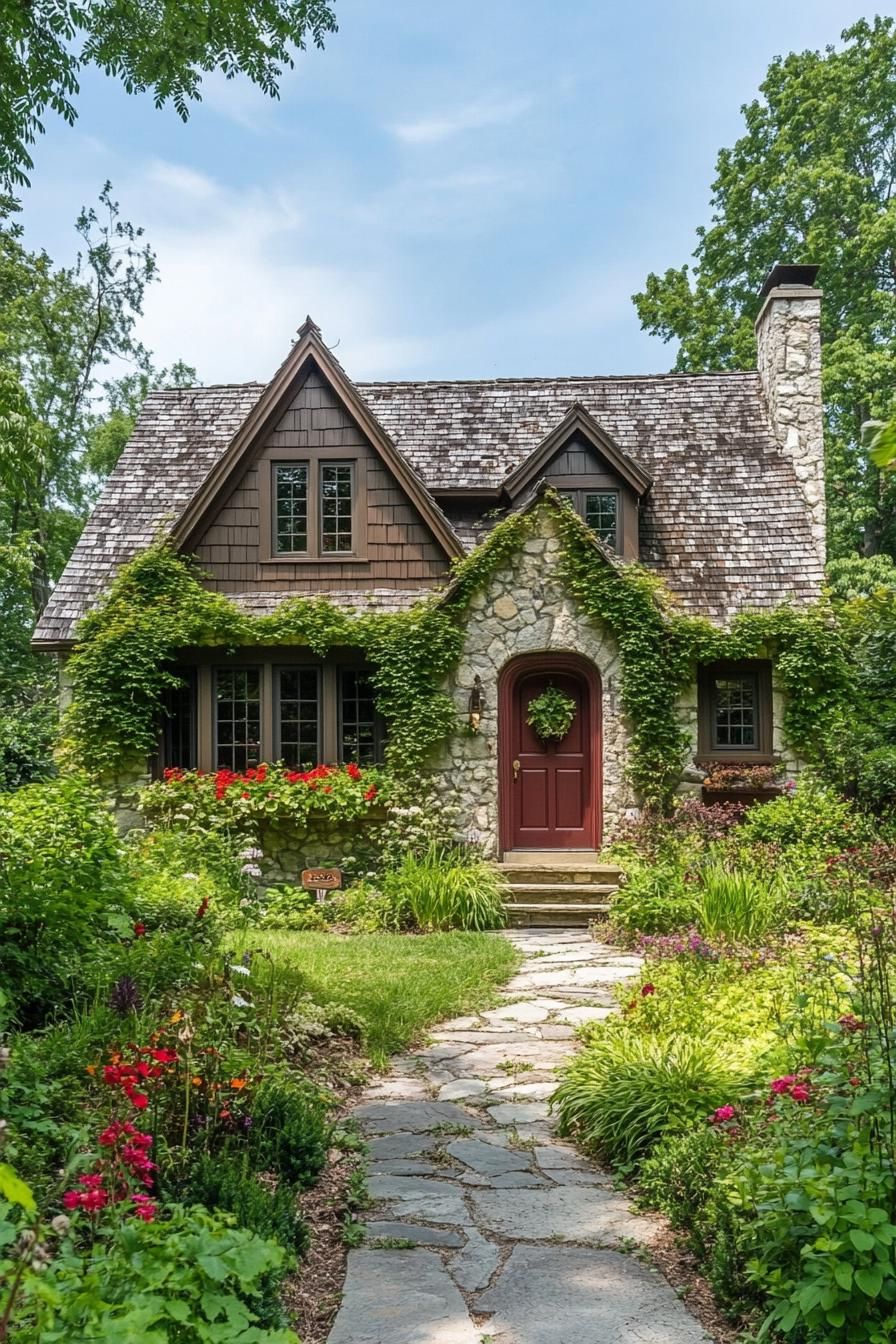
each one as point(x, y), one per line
point(573, 893)
point(554, 874)
point(548, 914)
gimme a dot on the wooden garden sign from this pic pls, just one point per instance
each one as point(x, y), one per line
point(321, 880)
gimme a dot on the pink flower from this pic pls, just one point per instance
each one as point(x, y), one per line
point(722, 1114)
point(144, 1208)
point(781, 1086)
point(647, 989)
point(799, 1093)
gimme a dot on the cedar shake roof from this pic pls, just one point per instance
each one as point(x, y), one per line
point(724, 522)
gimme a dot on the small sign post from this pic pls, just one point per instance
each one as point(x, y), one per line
point(321, 880)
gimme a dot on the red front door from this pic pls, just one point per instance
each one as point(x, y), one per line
point(550, 787)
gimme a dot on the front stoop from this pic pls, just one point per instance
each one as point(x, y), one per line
point(558, 891)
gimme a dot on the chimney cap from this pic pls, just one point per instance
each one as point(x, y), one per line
point(788, 275)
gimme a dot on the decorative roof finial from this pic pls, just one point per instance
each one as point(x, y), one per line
point(308, 326)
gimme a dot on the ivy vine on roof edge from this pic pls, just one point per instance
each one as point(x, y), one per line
point(122, 663)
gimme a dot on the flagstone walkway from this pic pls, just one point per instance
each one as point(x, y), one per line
point(488, 1229)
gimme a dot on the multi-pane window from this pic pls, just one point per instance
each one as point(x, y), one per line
point(600, 514)
point(179, 723)
point(298, 715)
point(336, 505)
point(237, 717)
point(291, 507)
point(600, 510)
point(735, 724)
point(360, 734)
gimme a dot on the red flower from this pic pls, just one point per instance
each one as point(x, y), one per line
point(799, 1093)
point(164, 1056)
point(352, 770)
point(203, 907)
point(139, 929)
point(722, 1114)
point(144, 1208)
point(782, 1086)
point(855, 1082)
point(370, 794)
point(647, 989)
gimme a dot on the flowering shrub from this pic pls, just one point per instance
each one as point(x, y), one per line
point(742, 775)
point(265, 793)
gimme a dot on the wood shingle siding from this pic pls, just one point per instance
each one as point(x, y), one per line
point(399, 545)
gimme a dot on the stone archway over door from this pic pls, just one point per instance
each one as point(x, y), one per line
point(550, 793)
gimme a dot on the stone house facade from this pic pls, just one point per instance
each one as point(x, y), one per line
point(366, 493)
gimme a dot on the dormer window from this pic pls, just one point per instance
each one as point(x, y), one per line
point(600, 510)
point(312, 507)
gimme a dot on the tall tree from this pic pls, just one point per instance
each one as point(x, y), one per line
point(811, 180)
point(163, 46)
point(66, 410)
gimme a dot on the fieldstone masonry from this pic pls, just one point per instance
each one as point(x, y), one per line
point(526, 608)
point(788, 336)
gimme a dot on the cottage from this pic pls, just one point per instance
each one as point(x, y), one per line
point(367, 493)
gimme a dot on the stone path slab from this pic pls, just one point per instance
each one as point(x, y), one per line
point(518, 1238)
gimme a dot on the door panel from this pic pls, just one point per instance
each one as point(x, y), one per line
point(551, 784)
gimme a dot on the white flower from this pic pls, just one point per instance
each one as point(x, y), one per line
point(252, 853)
point(251, 870)
point(245, 903)
point(191, 877)
point(241, 970)
point(239, 1002)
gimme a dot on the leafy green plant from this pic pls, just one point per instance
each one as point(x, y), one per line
point(193, 1279)
point(290, 1133)
point(292, 908)
point(655, 898)
point(876, 782)
point(62, 886)
point(226, 1183)
point(736, 906)
point(623, 1093)
point(812, 817)
point(551, 714)
point(448, 889)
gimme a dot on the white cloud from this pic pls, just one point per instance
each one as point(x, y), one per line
point(238, 274)
point(470, 117)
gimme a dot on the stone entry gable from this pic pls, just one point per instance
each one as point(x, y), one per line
point(525, 607)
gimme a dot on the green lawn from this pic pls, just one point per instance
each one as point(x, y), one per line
point(398, 984)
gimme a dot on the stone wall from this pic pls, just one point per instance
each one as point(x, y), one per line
point(526, 609)
point(287, 850)
point(788, 337)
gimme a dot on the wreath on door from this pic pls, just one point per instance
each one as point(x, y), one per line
point(551, 714)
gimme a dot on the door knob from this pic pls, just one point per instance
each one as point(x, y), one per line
point(516, 770)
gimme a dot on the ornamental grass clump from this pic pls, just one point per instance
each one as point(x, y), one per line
point(736, 906)
point(448, 889)
point(623, 1093)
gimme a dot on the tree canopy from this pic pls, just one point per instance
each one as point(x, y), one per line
point(812, 181)
point(162, 46)
point(72, 376)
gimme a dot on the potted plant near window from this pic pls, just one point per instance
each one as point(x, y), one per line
point(741, 782)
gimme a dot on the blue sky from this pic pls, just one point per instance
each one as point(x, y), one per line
point(463, 190)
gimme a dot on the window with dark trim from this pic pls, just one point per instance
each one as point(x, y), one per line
point(361, 735)
point(312, 508)
point(735, 710)
point(237, 717)
point(179, 723)
point(297, 715)
point(291, 507)
point(600, 510)
point(337, 492)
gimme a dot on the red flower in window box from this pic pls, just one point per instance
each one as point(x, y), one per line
point(370, 794)
point(353, 771)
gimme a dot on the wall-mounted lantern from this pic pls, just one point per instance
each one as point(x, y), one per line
point(476, 705)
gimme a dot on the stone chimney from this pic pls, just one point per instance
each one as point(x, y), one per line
point(788, 339)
